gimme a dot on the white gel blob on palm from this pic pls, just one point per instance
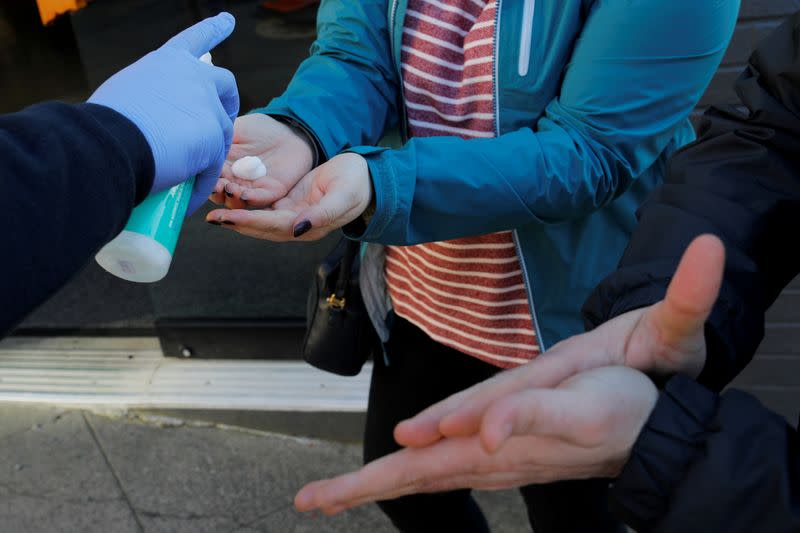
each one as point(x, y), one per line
point(249, 168)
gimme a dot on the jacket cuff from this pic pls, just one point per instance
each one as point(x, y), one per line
point(313, 142)
point(628, 289)
point(624, 290)
point(282, 112)
point(384, 186)
point(673, 438)
point(132, 141)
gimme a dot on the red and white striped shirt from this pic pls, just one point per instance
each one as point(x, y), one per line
point(468, 294)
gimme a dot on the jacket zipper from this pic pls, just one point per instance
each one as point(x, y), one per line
point(396, 60)
point(528, 11)
point(495, 75)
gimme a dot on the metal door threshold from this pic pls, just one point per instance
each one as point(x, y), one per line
point(131, 372)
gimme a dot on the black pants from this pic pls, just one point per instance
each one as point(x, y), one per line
point(422, 372)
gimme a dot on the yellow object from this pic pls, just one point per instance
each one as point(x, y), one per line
point(50, 9)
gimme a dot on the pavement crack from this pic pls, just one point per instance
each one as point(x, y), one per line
point(113, 471)
point(8, 490)
point(260, 518)
point(184, 516)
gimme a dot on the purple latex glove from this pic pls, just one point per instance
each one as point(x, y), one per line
point(185, 108)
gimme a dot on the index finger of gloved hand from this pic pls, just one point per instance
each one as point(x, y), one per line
point(228, 93)
point(205, 35)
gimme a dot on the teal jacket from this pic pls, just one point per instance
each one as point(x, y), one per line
point(592, 98)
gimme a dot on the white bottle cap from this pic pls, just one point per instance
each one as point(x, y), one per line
point(135, 257)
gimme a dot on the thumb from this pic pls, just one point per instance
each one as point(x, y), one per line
point(693, 291)
point(205, 35)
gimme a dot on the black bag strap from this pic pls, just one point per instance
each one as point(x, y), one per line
point(352, 249)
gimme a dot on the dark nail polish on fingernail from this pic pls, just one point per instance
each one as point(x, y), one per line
point(228, 223)
point(302, 228)
point(214, 222)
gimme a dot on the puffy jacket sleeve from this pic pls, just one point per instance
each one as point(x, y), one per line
point(711, 463)
point(740, 181)
point(636, 72)
point(346, 93)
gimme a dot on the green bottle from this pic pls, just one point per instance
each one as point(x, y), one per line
point(143, 251)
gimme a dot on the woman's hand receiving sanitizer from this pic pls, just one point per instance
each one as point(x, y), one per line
point(285, 152)
point(327, 198)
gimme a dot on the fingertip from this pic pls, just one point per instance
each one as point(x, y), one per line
point(401, 432)
point(215, 215)
point(413, 434)
point(224, 23)
point(695, 286)
point(227, 17)
point(708, 245)
point(498, 424)
point(493, 436)
point(301, 228)
point(304, 500)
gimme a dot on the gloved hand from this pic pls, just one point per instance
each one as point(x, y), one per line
point(185, 108)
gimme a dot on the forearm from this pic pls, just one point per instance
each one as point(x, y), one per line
point(623, 102)
point(346, 92)
point(72, 175)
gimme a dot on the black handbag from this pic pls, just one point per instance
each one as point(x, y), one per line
point(339, 336)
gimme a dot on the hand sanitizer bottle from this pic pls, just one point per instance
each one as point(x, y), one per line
point(143, 251)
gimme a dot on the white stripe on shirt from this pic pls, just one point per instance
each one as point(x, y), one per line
point(436, 22)
point(448, 83)
point(444, 99)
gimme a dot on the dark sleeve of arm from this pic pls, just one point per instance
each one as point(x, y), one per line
point(741, 182)
point(710, 463)
point(70, 175)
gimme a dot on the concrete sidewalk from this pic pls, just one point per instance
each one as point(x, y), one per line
point(76, 471)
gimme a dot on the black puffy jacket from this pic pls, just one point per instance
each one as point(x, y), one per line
point(708, 462)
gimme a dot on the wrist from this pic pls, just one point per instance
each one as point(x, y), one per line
point(306, 138)
point(133, 141)
point(673, 437)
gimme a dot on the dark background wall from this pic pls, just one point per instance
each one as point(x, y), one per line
point(215, 274)
point(219, 274)
point(774, 374)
